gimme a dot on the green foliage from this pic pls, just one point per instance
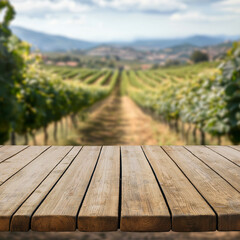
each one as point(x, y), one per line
point(105, 78)
point(211, 102)
point(31, 97)
point(94, 77)
point(199, 56)
point(12, 68)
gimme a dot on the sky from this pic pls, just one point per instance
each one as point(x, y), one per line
point(128, 20)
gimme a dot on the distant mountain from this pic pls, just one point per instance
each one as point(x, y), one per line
point(198, 41)
point(50, 43)
point(54, 43)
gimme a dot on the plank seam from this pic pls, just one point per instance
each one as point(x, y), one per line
point(13, 154)
point(194, 187)
point(159, 185)
point(212, 169)
point(54, 183)
point(223, 156)
point(25, 165)
point(37, 187)
point(234, 148)
point(85, 193)
point(120, 191)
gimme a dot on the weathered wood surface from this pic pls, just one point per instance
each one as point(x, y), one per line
point(21, 218)
point(14, 164)
point(19, 187)
point(231, 154)
point(9, 151)
point(131, 188)
point(219, 164)
point(99, 211)
point(190, 212)
point(59, 210)
point(223, 198)
point(143, 205)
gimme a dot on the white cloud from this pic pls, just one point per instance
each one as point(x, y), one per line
point(230, 2)
point(188, 16)
point(78, 20)
point(199, 17)
point(142, 5)
point(232, 6)
point(43, 7)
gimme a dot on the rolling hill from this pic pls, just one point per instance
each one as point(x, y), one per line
point(54, 43)
point(51, 43)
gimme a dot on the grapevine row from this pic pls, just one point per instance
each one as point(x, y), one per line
point(209, 103)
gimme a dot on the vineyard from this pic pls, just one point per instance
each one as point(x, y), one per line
point(32, 97)
point(197, 100)
point(200, 98)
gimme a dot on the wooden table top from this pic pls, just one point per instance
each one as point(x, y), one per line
point(131, 188)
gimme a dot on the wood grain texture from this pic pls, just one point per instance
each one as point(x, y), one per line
point(223, 198)
point(99, 211)
point(17, 162)
point(9, 151)
point(220, 164)
point(59, 210)
point(17, 189)
point(190, 212)
point(143, 206)
point(21, 219)
point(231, 154)
point(236, 147)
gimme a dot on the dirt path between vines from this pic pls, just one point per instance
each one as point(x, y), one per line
point(118, 120)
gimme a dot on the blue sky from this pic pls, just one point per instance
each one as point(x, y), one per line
point(124, 20)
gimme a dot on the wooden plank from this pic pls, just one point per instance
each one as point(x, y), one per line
point(21, 219)
point(99, 211)
point(143, 206)
point(17, 189)
point(221, 165)
point(59, 210)
point(190, 212)
point(237, 147)
point(224, 199)
point(17, 162)
point(230, 153)
point(9, 151)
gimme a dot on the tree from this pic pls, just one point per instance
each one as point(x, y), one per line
point(11, 72)
point(199, 56)
point(172, 62)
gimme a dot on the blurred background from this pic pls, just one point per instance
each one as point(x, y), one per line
point(119, 72)
point(107, 72)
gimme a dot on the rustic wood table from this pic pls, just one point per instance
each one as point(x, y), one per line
point(131, 188)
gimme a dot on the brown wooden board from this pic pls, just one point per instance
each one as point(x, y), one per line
point(9, 151)
point(12, 165)
point(17, 189)
point(189, 210)
point(149, 188)
point(231, 154)
point(21, 219)
point(223, 198)
point(99, 211)
point(218, 163)
point(143, 206)
point(59, 210)
point(237, 147)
